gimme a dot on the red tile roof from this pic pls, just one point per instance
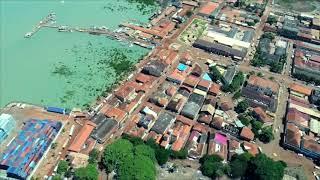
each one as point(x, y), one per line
point(300, 89)
point(200, 128)
point(262, 115)
point(247, 134)
point(124, 92)
point(204, 83)
point(217, 122)
point(214, 89)
point(116, 113)
point(297, 117)
point(260, 82)
point(310, 144)
point(143, 78)
point(191, 81)
point(82, 136)
point(185, 120)
point(209, 8)
point(293, 136)
point(251, 148)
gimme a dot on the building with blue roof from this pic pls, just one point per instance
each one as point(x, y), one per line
point(7, 124)
point(23, 154)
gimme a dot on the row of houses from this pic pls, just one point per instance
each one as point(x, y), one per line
point(116, 108)
point(302, 125)
point(188, 112)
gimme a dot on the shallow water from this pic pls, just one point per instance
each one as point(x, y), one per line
point(27, 64)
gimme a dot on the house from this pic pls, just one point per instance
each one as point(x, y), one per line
point(105, 130)
point(218, 146)
point(182, 137)
point(299, 90)
point(261, 92)
point(247, 134)
point(315, 97)
point(234, 148)
point(217, 122)
point(204, 85)
point(154, 68)
point(226, 105)
point(197, 70)
point(298, 118)
point(229, 75)
point(82, 136)
point(262, 116)
point(214, 89)
point(125, 93)
point(193, 105)
point(146, 121)
point(163, 122)
point(116, 113)
point(253, 149)
point(191, 81)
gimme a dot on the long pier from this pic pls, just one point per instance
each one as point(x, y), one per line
point(50, 18)
point(120, 35)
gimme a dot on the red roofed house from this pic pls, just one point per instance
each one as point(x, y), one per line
point(262, 116)
point(208, 9)
point(82, 136)
point(253, 149)
point(116, 113)
point(125, 92)
point(247, 134)
point(299, 90)
point(214, 89)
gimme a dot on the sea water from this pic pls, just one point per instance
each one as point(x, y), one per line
point(27, 65)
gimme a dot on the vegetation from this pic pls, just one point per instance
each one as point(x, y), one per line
point(307, 79)
point(89, 172)
point(268, 35)
point(236, 95)
point(242, 106)
point(245, 120)
point(215, 74)
point(93, 156)
point(212, 166)
point(239, 165)
point(182, 154)
point(272, 20)
point(129, 161)
point(189, 13)
point(236, 83)
point(259, 167)
point(54, 145)
point(266, 135)
point(260, 74)
point(63, 167)
point(264, 168)
point(256, 127)
point(258, 60)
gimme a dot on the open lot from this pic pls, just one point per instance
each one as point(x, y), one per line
point(300, 5)
point(193, 31)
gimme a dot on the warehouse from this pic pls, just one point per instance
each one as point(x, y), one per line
point(105, 130)
point(7, 124)
point(26, 150)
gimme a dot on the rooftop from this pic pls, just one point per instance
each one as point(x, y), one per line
point(260, 82)
point(301, 89)
point(82, 136)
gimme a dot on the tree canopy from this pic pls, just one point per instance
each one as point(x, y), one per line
point(266, 135)
point(89, 172)
point(264, 168)
point(63, 167)
point(242, 106)
point(130, 161)
point(212, 166)
point(239, 165)
point(93, 156)
point(235, 84)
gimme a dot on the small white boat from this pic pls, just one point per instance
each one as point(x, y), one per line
point(28, 34)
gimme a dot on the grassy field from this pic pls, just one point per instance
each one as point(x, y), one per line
point(194, 31)
point(299, 5)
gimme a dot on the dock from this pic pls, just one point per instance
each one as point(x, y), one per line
point(49, 19)
point(119, 34)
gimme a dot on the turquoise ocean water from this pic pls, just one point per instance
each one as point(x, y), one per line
point(27, 64)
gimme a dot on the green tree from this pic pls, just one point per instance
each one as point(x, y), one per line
point(215, 74)
point(239, 165)
point(189, 13)
point(145, 150)
point(57, 177)
point(162, 156)
point(134, 140)
point(260, 74)
point(212, 166)
point(242, 106)
point(63, 167)
point(256, 127)
point(264, 168)
point(117, 153)
point(266, 135)
point(269, 35)
point(93, 156)
point(89, 172)
point(245, 120)
point(236, 95)
point(235, 84)
point(271, 20)
point(182, 154)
